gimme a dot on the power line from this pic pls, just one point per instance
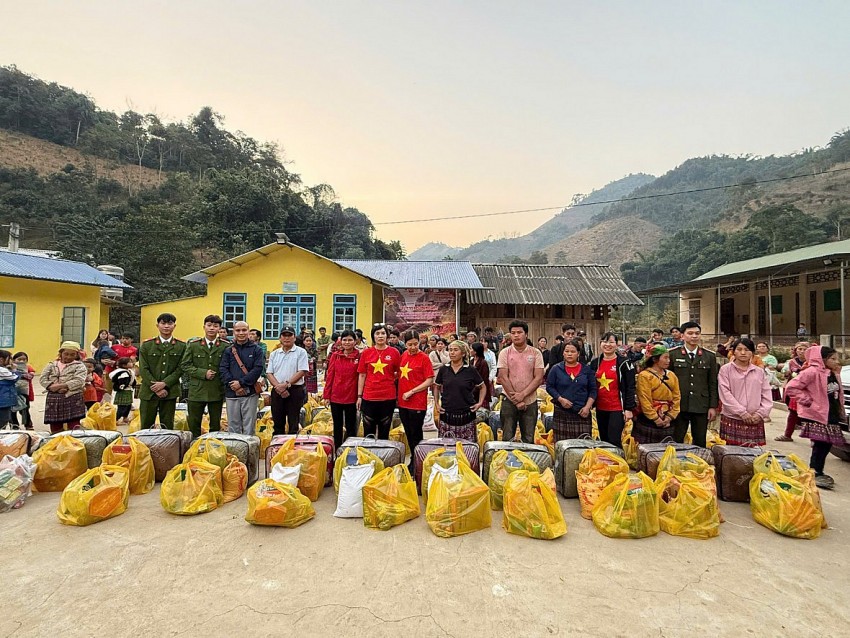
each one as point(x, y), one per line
point(334, 223)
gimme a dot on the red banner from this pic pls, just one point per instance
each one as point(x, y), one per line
point(426, 311)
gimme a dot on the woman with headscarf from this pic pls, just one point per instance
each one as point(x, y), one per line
point(791, 369)
point(658, 397)
point(459, 391)
point(64, 379)
point(820, 407)
point(745, 397)
point(572, 386)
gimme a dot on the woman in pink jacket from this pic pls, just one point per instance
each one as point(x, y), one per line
point(745, 395)
point(819, 406)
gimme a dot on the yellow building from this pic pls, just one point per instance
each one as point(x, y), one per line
point(44, 301)
point(275, 285)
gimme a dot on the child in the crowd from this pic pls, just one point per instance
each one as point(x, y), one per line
point(94, 384)
point(8, 388)
point(123, 379)
point(820, 407)
point(26, 373)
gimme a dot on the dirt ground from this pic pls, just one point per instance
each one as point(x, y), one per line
point(148, 573)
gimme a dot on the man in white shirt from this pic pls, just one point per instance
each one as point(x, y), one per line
point(286, 370)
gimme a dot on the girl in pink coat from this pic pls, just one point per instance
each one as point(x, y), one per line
point(820, 408)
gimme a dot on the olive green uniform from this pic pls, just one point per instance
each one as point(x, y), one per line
point(203, 392)
point(698, 384)
point(159, 361)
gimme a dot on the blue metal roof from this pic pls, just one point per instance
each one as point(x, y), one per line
point(416, 274)
point(48, 269)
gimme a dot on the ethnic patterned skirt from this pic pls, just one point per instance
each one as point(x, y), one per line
point(736, 432)
point(825, 432)
point(645, 431)
point(60, 408)
point(569, 425)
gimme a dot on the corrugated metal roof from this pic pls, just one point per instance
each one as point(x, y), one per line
point(49, 269)
point(778, 260)
point(551, 284)
point(417, 274)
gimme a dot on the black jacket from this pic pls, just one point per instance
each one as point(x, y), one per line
point(626, 375)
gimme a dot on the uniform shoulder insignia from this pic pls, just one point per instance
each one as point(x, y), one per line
point(151, 339)
point(194, 340)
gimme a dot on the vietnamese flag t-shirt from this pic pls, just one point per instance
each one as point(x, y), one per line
point(608, 390)
point(414, 370)
point(380, 367)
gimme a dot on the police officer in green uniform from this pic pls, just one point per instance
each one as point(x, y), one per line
point(696, 368)
point(200, 363)
point(159, 369)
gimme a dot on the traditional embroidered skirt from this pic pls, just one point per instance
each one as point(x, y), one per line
point(645, 431)
point(60, 408)
point(466, 432)
point(736, 432)
point(825, 432)
point(124, 397)
point(569, 425)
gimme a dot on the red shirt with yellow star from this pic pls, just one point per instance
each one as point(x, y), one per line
point(380, 367)
point(608, 397)
point(414, 370)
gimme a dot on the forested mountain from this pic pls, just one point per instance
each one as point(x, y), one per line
point(159, 199)
point(702, 214)
point(565, 223)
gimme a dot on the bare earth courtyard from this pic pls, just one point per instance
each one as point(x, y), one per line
point(148, 573)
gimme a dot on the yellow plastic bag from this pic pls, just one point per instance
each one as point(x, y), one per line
point(630, 450)
point(794, 467)
point(547, 439)
point(99, 493)
point(458, 506)
point(548, 479)
point(107, 416)
point(89, 424)
point(191, 488)
point(314, 467)
point(135, 423)
point(503, 463)
point(210, 450)
point(713, 438)
point(390, 498)
point(484, 433)
point(531, 507)
point(686, 508)
point(319, 426)
point(539, 428)
point(59, 461)
point(205, 424)
point(597, 469)
point(785, 505)
point(689, 438)
point(363, 457)
point(277, 504)
point(398, 434)
point(234, 479)
point(136, 457)
point(628, 508)
point(442, 457)
point(594, 426)
point(677, 463)
point(181, 420)
point(265, 431)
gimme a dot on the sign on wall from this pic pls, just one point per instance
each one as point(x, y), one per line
point(428, 311)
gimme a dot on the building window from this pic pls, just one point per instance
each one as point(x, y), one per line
point(557, 312)
point(345, 312)
point(510, 310)
point(7, 324)
point(234, 308)
point(694, 307)
point(832, 300)
point(776, 304)
point(74, 324)
point(297, 311)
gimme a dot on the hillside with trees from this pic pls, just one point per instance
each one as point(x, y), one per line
point(160, 199)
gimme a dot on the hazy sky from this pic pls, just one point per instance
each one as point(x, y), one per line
point(431, 109)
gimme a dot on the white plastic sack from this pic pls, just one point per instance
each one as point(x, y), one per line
point(451, 473)
point(428, 423)
point(287, 475)
point(349, 504)
point(16, 475)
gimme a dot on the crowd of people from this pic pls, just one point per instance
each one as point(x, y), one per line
point(665, 386)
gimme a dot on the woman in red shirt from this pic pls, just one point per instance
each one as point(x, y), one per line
point(615, 383)
point(341, 387)
point(376, 389)
point(416, 375)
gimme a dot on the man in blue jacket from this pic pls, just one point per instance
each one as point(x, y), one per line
point(240, 368)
